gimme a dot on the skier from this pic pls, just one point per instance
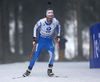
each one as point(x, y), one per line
point(45, 40)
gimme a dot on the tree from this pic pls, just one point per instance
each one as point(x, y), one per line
point(1, 51)
point(4, 30)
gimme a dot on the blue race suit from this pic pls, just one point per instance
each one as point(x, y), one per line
point(45, 39)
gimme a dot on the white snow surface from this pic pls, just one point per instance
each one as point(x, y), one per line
point(75, 72)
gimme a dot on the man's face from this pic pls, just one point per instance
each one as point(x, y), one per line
point(49, 18)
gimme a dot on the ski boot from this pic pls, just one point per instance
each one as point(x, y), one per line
point(27, 73)
point(49, 71)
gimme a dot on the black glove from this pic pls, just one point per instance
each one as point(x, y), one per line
point(34, 40)
point(58, 38)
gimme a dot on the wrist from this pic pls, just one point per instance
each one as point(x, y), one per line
point(58, 38)
point(34, 39)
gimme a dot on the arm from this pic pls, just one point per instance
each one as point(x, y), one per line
point(58, 28)
point(58, 31)
point(36, 27)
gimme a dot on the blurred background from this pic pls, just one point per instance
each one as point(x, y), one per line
point(18, 17)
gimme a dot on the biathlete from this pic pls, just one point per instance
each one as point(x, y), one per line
point(45, 40)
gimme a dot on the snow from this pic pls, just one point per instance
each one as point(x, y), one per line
point(75, 72)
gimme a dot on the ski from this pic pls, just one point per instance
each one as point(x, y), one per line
point(17, 77)
point(60, 76)
point(49, 76)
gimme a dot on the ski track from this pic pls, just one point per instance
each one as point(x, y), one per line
point(75, 72)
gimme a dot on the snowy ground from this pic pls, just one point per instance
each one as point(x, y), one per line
point(75, 72)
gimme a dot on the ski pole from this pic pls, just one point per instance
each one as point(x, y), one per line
point(32, 50)
point(59, 49)
point(58, 45)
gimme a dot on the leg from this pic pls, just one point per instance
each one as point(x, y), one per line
point(39, 48)
point(51, 58)
point(51, 61)
point(50, 49)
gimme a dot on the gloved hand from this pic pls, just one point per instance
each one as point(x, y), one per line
point(58, 38)
point(34, 40)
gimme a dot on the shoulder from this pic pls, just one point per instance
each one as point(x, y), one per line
point(55, 20)
point(42, 20)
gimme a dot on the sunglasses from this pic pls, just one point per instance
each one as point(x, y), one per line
point(50, 17)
